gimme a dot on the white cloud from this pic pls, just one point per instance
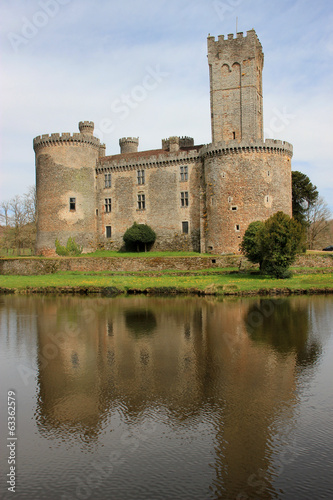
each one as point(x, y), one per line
point(85, 58)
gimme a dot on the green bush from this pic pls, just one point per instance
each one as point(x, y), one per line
point(273, 244)
point(139, 236)
point(71, 249)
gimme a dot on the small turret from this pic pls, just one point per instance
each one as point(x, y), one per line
point(175, 143)
point(129, 144)
point(86, 127)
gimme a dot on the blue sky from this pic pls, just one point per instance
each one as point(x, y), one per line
point(139, 68)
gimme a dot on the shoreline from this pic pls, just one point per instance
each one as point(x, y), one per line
point(114, 291)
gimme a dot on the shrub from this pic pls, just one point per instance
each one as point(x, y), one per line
point(139, 236)
point(273, 244)
point(71, 249)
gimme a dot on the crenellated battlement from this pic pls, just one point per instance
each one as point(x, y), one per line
point(176, 143)
point(129, 139)
point(269, 146)
point(251, 38)
point(65, 138)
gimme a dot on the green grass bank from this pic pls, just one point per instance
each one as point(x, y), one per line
point(165, 272)
point(207, 282)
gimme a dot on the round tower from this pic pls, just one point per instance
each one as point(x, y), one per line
point(129, 144)
point(243, 183)
point(65, 187)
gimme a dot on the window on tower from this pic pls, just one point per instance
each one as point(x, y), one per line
point(141, 177)
point(141, 202)
point(184, 173)
point(107, 180)
point(107, 205)
point(184, 199)
point(72, 204)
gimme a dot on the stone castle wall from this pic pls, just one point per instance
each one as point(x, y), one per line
point(162, 190)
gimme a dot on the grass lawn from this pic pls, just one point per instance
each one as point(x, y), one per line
point(221, 281)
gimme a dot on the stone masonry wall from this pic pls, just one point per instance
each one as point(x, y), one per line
point(31, 266)
point(162, 189)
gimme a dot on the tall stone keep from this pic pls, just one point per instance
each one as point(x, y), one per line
point(235, 66)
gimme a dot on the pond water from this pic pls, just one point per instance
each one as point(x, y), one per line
point(168, 397)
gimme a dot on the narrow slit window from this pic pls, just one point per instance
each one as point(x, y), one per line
point(107, 205)
point(267, 199)
point(108, 231)
point(72, 204)
point(237, 227)
point(234, 135)
point(185, 227)
point(184, 199)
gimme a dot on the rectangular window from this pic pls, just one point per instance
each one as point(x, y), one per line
point(184, 199)
point(108, 231)
point(184, 173)
point(185, 227)
point(72, 204)
point(237, 227)
point(141, 202)
point(107, 180)
point(107, 205)
point(141, 177)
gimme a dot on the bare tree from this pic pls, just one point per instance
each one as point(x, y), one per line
point(5, 213)
point(318, 216)
point(19, 217)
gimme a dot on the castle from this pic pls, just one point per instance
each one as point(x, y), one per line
point(195, 197)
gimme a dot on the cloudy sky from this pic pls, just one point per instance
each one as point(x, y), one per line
point(139, 68)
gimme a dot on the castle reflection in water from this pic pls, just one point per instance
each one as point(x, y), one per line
point(238, 360)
